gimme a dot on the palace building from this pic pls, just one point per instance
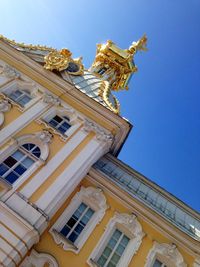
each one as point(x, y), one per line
point(66, 200)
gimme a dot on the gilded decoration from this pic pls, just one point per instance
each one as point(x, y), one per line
point(61, 60)
point(120, 61)
point(105, 93)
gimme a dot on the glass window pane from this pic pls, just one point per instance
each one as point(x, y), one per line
point(115, 258)
point(53, 123)
point(14, 95)
point(36, 152)
point(27, 162)
point(112, 243)
point(3, 169)
point(71, 222)
point(107, 251)
point(117, 234)
point(65, 230)
point(66, 125)
point(61, 129)
point(157, 263)
point(20, 169)
point(79, 228)
point(12, 177)
point(82, 207)
point(10, 161)
point(125, 240)
point(28, 146)
point(57, 119)
point(18, 155)
point(73, 237)
point(120, 249)
point(24, 100)
point(101, 261)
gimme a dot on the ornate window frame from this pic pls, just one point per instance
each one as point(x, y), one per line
point(21, 85)
point(94, 198)
point(166, 253)
point(130, 226)
point(41, 139)
point(39, 259)
point(74, 120)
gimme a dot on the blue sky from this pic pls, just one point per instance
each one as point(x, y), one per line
point(163, 100)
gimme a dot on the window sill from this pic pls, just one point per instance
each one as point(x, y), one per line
point(63, 241)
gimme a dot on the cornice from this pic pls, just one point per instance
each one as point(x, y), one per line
point(153, 185)
point(64, 89)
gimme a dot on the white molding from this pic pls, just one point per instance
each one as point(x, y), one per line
point(9, 72)
point(5, 106)
point(102, 135)
point(167, 253)
point(95, 199)
point(16, 231)
point(52, 165)
point(130, 226)
point(39, 259)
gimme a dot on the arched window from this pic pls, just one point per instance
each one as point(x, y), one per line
point(21, 97)
point(19, 162)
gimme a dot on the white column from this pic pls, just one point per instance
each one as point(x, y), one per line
point(53, 164)
point(65, 184)
point(22, 121)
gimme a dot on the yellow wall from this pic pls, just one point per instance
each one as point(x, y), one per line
point(70, 259)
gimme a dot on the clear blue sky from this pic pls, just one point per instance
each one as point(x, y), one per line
point(163, 102)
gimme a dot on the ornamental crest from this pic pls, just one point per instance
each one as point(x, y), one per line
point(57, 60)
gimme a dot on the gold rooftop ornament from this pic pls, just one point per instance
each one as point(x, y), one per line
point(57, 60)
point(115, 64)
point(140, 45)
point(61, 60)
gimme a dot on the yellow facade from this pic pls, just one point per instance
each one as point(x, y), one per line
point(70, 169)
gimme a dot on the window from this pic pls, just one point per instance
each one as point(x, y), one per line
point(158, 263)
point(77, 222)
point(113, 250)
point(118, 244)
point(60, 123)
point(101, 71)
point(19, 162)
point(22, 97)
point(163, 255)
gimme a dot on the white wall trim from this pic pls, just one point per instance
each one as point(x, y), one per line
point(92, 197)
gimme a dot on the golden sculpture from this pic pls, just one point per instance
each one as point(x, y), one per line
point(57, 60)
point(119, 61)
point(140, 45)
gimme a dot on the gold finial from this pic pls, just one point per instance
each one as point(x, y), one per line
point(140, 45)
